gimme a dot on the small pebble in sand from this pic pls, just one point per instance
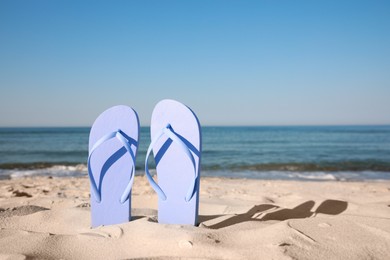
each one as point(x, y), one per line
point(185, 244)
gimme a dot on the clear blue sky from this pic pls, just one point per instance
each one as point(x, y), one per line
point(233, 62)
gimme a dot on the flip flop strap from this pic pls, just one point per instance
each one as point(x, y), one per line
point(94, 189)
point(169, 132)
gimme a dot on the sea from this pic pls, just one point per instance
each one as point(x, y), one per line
point(315, 153)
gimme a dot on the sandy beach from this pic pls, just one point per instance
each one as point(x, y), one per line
point(49, 218)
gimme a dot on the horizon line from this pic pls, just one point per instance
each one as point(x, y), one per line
point(211, 125)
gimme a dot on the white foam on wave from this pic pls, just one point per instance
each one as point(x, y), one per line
point(313, 176)
point(55, 171)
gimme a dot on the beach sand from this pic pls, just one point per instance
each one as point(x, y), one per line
point(46, 218)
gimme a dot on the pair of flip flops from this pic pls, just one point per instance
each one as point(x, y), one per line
point(176, 145)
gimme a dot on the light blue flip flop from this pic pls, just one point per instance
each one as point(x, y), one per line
point(176, 144)
point(113, 143)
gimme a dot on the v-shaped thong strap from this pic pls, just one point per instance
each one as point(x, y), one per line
point(168, 131)
point(121, 137)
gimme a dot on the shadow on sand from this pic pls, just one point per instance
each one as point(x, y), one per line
point(258, 213)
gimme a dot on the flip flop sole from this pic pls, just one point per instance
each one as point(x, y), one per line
point(111, 165)
point(175, 172)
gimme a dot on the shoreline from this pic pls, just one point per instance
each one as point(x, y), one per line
point(80, 171)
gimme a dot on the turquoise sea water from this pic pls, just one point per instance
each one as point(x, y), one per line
point(309, 152)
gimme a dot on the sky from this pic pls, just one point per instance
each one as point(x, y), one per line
point(62, 63)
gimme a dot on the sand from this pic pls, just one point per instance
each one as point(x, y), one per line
point(46, 218)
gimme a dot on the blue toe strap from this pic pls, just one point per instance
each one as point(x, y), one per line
point(169, 132)
point(119, 135)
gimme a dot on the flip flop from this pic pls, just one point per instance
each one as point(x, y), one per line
point(113, 143)
point(176, 144)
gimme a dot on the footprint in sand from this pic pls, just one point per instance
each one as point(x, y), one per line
point(21, 211)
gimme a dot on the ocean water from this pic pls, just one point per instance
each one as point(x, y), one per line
point(297, 153)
